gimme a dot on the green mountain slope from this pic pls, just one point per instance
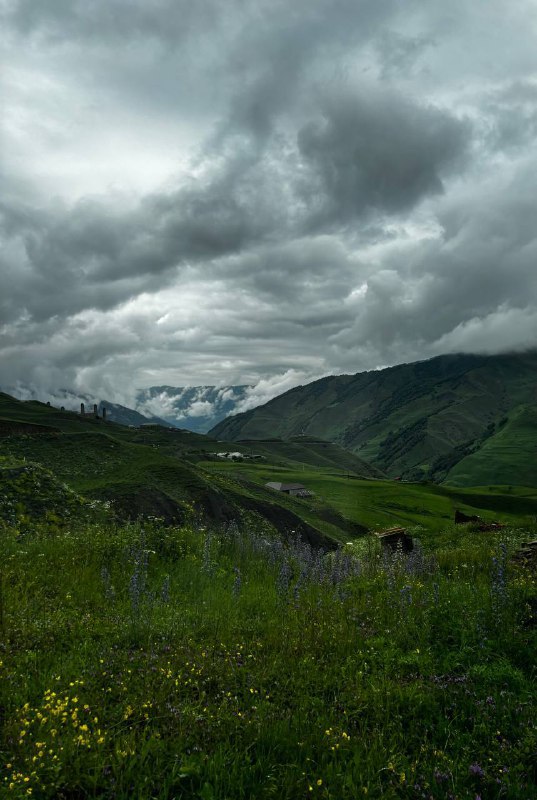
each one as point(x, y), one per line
point(379, 504)
point(312, 451)
point(159, 472)
point(417, 420)
point(512, 443)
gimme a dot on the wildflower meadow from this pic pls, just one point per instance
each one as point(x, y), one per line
point(144, 661)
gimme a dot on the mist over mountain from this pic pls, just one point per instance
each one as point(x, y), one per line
point(197, 408)
point(71, 400)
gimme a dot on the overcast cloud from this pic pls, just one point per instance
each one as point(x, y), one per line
point(263, 193)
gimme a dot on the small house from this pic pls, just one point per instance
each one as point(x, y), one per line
point(293, 489)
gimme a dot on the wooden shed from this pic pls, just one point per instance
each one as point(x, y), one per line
point(395, 538)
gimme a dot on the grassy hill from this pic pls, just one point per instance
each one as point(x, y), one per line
point(160, 472)
point(312, 451)
point(418, 421)
point(154, 471)
point(510, 451)
point(378, 504)
point(148, 660)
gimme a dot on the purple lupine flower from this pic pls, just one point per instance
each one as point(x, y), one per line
point(284, 578)
point(138, 580)
point(109, 591)
point(476, 771)
point(207, 563)
point(165, 591)
point(237, 583)
point(406, 594)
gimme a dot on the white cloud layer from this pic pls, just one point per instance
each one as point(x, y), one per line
point(211, 194)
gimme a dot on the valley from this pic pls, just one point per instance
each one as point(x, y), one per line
point(158, 471)
point(170, 626)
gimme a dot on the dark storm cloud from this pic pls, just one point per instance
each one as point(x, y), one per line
point(327, 185)
point(512, 115)
point(438, 294)
point(95, 255)
point(401, 55)
point(378, 151)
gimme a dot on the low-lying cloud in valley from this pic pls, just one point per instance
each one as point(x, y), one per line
point(257, 195)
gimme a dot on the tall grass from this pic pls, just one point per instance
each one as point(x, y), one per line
point(151, 662)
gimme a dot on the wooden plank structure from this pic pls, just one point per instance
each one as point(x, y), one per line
point(395, 538)
point(527, 554)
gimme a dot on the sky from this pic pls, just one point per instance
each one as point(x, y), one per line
point(263, 192)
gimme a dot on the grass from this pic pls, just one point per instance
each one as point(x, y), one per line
point(513, 443)
point(162, 472)
point(144, 661)
point(156, 470)
point(416, 420)
point(379, 504)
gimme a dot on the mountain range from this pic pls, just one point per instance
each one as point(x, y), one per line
point(459, 419)
point(196, 408)
point(455, 419)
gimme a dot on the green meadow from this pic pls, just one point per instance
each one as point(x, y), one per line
point(147, 661)
point(209, 652)
point(380, 503)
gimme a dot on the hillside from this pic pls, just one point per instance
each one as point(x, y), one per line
point(514, 442)
point(71, 400)
point(161, 472)
point(418, 421)
point(149, 471)
point(312, 451)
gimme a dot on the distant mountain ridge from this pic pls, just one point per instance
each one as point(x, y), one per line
point(431, 420)
point(196, 408)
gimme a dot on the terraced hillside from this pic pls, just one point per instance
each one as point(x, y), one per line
point(418, 421)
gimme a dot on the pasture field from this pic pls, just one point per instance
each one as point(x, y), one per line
point(143, 661)
point(155, 471)
point(379, 504)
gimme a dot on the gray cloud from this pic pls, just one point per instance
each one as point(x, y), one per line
point(204, 194)
point(379, 152)
point(119, 21)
